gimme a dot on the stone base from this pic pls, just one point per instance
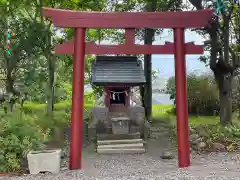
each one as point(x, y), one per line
point(118, 136)
point(146, 130)
point(121, 141)
point(92, 133)
point(44, 161)
point(120, 125)
point(121, 146)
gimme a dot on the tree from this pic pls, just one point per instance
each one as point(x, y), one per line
point(51, 40)
point(223, 60)
point(28, 34)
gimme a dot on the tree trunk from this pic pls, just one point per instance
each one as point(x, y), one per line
point(225, 81)
point(51, 70)
point(151, 6)
point(148, 39)
point(10, 89)
point(225, 97)
point(51, 65)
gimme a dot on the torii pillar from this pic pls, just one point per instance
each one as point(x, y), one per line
point(178, 21)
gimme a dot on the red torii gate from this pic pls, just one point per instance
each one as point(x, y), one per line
point(129, 21)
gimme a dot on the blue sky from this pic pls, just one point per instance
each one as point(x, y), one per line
point(165, 63)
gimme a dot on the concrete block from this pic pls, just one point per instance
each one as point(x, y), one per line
point(44, 161)
point(120, 125)
point(101, 137)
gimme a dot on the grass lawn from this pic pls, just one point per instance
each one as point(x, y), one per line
point(160, 113)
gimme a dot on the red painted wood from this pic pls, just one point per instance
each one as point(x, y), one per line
point(130, 36)
point(77, 100)
point(108, 89)
point(184, 19)
point(92, 48)
point(181, 99)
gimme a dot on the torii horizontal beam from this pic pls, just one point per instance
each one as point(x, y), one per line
point(92, 48)
point(74, 19)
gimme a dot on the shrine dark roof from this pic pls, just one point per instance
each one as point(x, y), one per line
point(124, 70)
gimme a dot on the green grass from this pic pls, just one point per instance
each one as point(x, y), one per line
point(161, 113)
point(161, 110)
point(210, 120)
point(64, 105)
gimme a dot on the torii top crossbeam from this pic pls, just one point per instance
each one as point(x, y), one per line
point(184, 19)
point(128, 21)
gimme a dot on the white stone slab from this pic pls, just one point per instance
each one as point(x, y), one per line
point(123, 141)
point(121, 151)
point(121, 146)
point(120, 119)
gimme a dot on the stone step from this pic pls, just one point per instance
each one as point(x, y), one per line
point(121, 151)
point(120, 146)
point(101, 137)
point(122, 141)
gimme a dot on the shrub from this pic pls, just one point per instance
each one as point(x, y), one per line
point(61, 115)
point(202, 94)
point(226, 135)
point(64, 105)
point(21, 132)
point(57, 119)
point(18, 135)
point(214, 133)
point(34, 108)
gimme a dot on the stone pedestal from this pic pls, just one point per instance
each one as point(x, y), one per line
point(44, 161)
point(120, 125)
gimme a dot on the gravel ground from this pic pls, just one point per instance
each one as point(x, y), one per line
point(143, 167)
point(148, 166)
